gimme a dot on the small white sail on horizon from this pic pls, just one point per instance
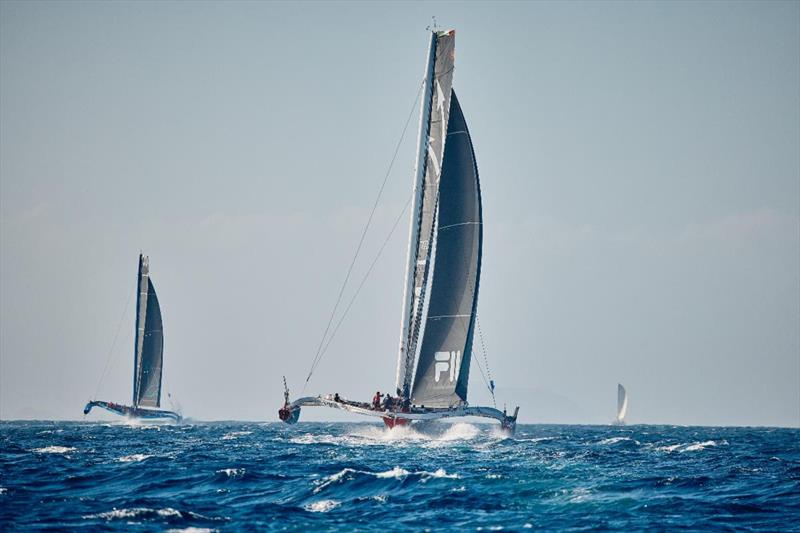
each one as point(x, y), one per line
point(622, 404)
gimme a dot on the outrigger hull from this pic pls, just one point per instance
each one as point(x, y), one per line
point(290, 412)
point(133, 412)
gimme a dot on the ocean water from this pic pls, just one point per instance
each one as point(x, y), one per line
point(231, 476)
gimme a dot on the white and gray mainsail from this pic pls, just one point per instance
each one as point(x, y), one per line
point(434, 113)
point(444, 245)
point(622, 403)
point(149, 343)
point(442, 373)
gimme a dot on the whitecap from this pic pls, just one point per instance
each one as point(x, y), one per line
point(440, 473)
point(144, 513)
point(135, 512)
point(395, 473)
point(691, 447)
point(232, 472)
point(55, 449)
point(697, 446)
point(3, 490)
point(192, 530)
point(614, 440)
point(235, 435)
point(537, 439)
point(134, 458)
point(322, 506)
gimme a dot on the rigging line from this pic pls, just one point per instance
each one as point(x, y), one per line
point(478, 362)
point(364, 279)
point(317, 356)
point(485, 359)
point(483, 347)
point(113, 344)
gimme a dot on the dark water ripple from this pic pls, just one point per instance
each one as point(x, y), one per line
point(229, 476)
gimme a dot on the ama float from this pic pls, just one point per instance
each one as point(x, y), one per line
point(443, 267)
point(148, 356)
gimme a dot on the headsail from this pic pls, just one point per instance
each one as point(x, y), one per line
point(622, 403)
point(149, 343)
point(434, 111)
point(443, 368)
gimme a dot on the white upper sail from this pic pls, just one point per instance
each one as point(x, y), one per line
point(622, 403)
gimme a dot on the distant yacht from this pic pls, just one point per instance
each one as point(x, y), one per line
point(442, 269)
point(622, 405)
point(148, 356)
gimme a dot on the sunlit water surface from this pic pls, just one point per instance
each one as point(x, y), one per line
point(228, 476)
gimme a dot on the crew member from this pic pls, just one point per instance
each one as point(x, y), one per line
point(376, 400)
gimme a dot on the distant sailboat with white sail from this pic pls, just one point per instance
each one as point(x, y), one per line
point(622, 405)
point(440, 295)
point(148, 356)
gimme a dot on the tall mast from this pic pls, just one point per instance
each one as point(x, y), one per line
point(141, 316)
point(405, 359)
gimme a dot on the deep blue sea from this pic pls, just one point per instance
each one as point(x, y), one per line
point(235, 475)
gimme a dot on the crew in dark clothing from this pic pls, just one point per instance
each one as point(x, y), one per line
point(336, 398)
point(388, 402)
point(376, 400)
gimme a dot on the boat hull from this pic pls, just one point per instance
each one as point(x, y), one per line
point(392, 422)
point(136, 413)
point(290, 412)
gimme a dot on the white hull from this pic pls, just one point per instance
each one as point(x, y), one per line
point(414, 414)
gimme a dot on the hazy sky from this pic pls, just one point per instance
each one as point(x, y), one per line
point(640, 166)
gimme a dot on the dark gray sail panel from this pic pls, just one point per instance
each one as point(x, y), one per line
point(443, 367)
point(152, 353)
point(434, 141)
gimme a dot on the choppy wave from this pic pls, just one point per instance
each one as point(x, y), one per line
point(350, 474)
point(55, 449)
point(241, 476)
point(615, 440)
point(134, 458)
point(236, 434)
point(232, 472)
point(690, 447)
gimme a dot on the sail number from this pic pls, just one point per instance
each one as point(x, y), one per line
point(447, 363)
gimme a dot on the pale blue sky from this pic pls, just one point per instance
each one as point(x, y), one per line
point(640, 166)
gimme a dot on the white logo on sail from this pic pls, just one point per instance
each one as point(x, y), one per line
point(446, 362)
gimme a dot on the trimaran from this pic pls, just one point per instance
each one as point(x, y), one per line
point(443, 267)
point(148, 356)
